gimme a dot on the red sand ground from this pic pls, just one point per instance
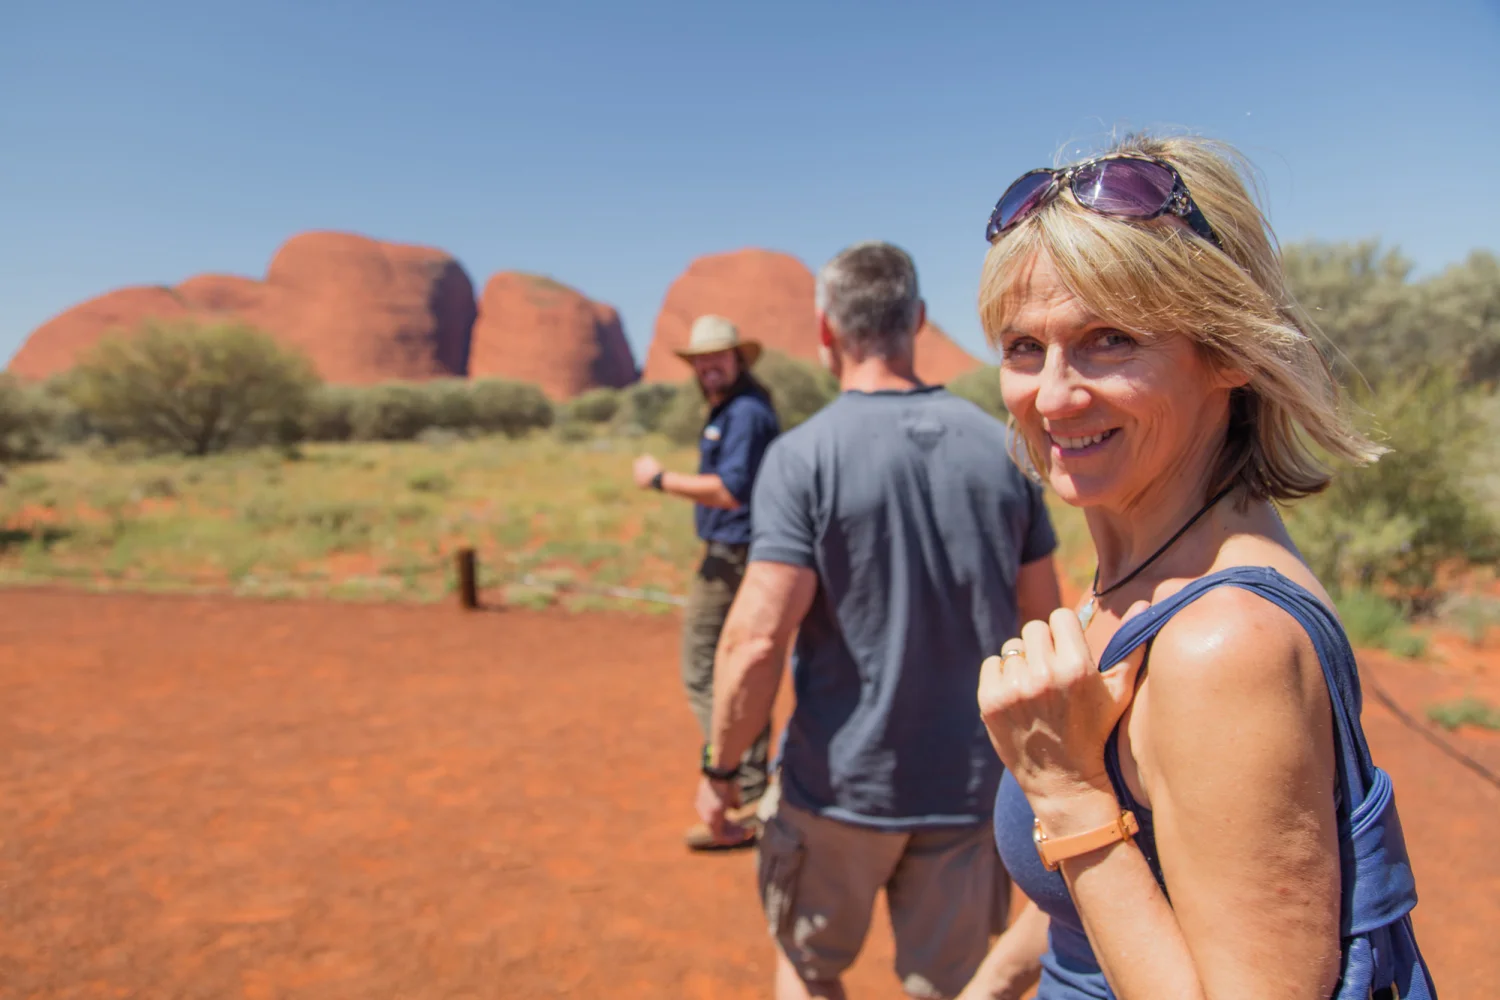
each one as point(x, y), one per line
point(211, 798)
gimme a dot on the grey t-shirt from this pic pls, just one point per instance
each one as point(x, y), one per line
point(916, 520)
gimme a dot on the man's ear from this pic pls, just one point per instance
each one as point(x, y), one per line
point(825, 332)
point(921, 316)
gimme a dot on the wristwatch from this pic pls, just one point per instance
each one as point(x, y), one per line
point(1055, 850)
point(656, 481)
point(716, 773)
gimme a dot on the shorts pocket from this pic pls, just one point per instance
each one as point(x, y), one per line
point(780, 863)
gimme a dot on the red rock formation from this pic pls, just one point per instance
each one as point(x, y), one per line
point(363, 310)
point(537, 330)
point(57, 344)
point(371, 311)
point(769, 296)
point(939, 359)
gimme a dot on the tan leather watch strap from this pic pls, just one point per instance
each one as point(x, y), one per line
point(1055, 850)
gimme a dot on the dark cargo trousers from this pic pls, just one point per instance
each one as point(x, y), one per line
point(712, 592)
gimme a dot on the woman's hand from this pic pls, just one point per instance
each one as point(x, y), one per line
point(1049, 711)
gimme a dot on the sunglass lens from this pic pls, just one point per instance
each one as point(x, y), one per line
point(1130, 188)
point(1019, 200)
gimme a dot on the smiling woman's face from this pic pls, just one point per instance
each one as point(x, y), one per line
point(1113, 416)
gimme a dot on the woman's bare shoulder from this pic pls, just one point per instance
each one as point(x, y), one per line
point(1233, 658)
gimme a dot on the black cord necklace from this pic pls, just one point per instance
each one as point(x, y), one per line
point(1086, 615)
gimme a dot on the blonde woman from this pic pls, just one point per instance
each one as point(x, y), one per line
point(1188, 798)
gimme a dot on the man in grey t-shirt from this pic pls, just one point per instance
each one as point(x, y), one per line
point(896, 537)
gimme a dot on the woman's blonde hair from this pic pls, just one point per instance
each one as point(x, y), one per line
point(1158, 278)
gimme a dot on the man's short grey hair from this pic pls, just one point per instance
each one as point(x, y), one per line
point(869, 294)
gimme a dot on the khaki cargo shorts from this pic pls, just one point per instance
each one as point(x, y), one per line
point(946, 890)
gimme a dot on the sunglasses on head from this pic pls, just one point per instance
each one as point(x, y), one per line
point(1123, 186)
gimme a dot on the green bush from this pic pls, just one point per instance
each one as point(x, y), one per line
point(572, 431)
point(597, 406)
point(330, 413)
point(392, 411)
point(509, 408)
point(798, 389)
point(193, 389)
point(1371, 620)
point(644, 403)
point(1397, 521)
point(1468, 710)
point(30, 420)
point(982, 388)
point(1472, 614)
point(450, 403)
point(430, 481)
point(682, 421)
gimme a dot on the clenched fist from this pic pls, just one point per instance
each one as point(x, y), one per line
point(646, 469)
point(1049, 710)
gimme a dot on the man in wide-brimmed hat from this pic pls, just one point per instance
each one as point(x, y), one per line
point(741, 423)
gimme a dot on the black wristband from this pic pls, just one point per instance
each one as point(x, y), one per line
point(717, 773)
point(656, 481)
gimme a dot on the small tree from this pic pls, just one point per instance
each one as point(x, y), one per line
point(29, 421)
point(193, 389)
point(1396, 522)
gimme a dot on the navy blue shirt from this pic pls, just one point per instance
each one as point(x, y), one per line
point(731, 447)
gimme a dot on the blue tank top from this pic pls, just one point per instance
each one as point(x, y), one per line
point(1069, 969)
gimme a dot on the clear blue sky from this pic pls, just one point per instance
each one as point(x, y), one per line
point(609, 144)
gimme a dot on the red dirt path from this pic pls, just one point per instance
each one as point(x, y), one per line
point(211, 798)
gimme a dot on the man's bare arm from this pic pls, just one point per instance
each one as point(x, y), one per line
point(772, 601)
point(1037, 591)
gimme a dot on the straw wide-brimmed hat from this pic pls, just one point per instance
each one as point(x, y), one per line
point(715, 333)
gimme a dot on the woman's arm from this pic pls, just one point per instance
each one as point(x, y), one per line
point(1232, 736)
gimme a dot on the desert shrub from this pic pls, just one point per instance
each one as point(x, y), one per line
point(391, 411)
point(193, 389)
point(30, 420)
point(509, 408)
point(1372, 620)
point(798, 388)
point(597, 406)
point(682, 420)
point(450, 403)
point(1393, 523)
point(330, 413)
point(572, 431)
point(1470, 710)
point(643, 404)
point(430, 481)
point(982, 388)
point(1473, 615)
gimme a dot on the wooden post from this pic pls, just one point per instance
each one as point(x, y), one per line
point(468, 591)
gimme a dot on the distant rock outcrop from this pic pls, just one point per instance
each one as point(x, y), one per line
point(537, 330)
point(362, 309)
point(769, 296)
